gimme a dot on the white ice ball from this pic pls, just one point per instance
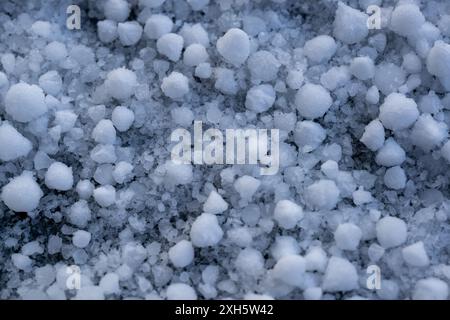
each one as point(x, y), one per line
point(59, 177)
point(430, 289)
point(391, 232)
point(13, 144)
point(320, 49)
point(406, 19)
point(120, 83)
point(22, 193)
point(322, 195)
point(129, 32)
point(263, 58)
point(415, 255)
point(287, 214)
point(340, 275)
point(312, 101)
point(24, 102)
point(81, 238)
point(105, 196)
point(175, 85)
point(347, 236)
point(157, 25)
point(215, 203)
point(104, 132)
point(117, 10)
point(180, 291)
point(194, 55)
point(290, 269)
point(373, 136)
point(170, 45)
point(398, 112)
point(206, 231)
point(260, 98)
point(234, 46)
point(350, 25)
point(181, 254)
point(122, 118)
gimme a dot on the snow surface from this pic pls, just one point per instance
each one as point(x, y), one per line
point(87, 181)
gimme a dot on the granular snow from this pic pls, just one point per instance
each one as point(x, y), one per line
point(87, 182)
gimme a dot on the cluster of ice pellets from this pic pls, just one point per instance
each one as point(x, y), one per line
point(87, 184)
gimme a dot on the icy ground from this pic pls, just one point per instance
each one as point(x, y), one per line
point(86, 179)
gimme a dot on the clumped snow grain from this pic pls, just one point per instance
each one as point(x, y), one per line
point(87, 180)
